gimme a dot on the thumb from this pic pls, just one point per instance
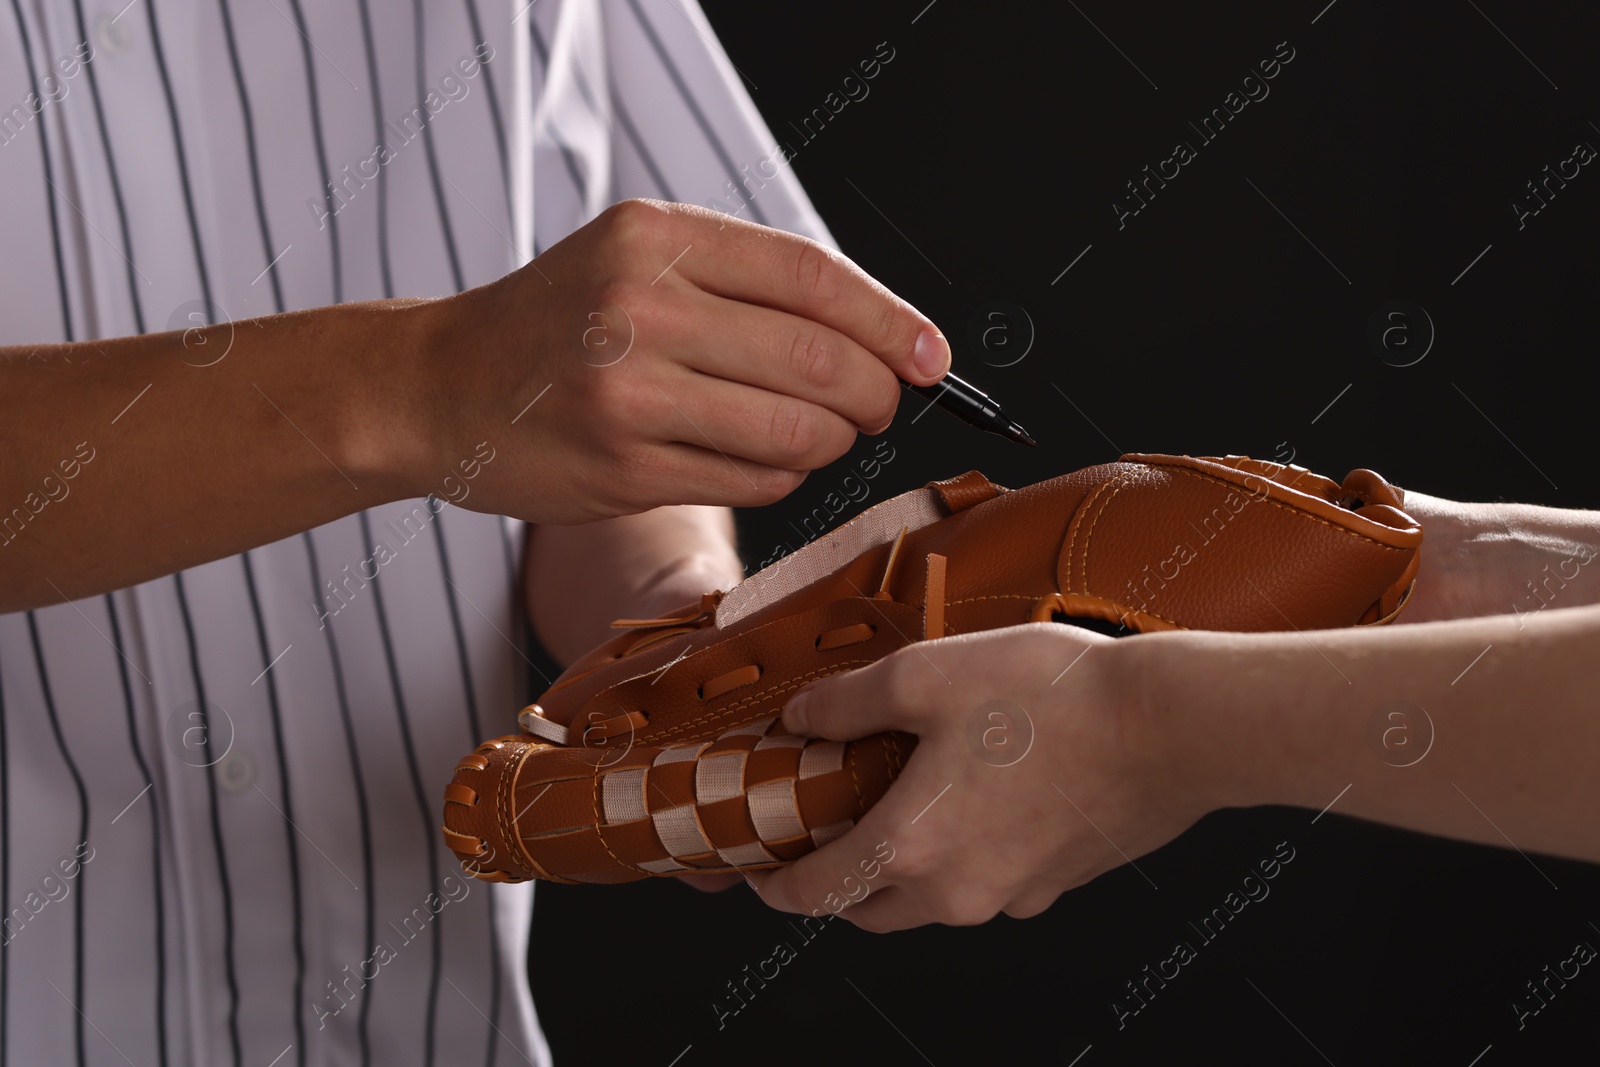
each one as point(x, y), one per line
point(844, 707)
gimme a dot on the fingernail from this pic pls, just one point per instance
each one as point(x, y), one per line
point(932, 354)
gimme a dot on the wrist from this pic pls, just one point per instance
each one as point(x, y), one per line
point(1212, 709)
point(391, 412)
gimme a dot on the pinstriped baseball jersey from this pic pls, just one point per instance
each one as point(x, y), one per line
point(221, 789)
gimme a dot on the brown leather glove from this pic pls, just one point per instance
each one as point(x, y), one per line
point(661, 752)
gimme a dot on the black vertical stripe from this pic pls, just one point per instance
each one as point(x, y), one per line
point(83, 834)
point(204, 275)
point(421, 45)
point(231, 970)
point(250, 151)
point(688, 98)
point(430, 843)
point(116, 184)
point(474, 724)
point(296, 905)
point(368, 904)
point(428, 832)
point(519, 612)
point(5, 777)
point(645, 157)
point(139, 325)
point(459, 281)
point(538, 85)
point(604, 115)
point(382, 138)
point(494, 104)
point(155, 830)
point(475, 736)
point(183, 160)
point(55, 229)
point(322, 154)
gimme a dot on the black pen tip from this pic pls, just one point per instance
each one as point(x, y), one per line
point(1018, 434)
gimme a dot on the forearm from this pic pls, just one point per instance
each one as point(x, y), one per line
point(1494, 740)
point(201, 451)
point(580, 578)
point(132, 458)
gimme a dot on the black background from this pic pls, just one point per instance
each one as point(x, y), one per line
point(985, 158)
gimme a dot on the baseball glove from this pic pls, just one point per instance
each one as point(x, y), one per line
point(661, 752)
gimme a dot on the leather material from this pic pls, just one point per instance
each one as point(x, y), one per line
point(661, 751)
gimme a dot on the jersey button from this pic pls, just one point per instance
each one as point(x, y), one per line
point(112, 34)
point(236, 772)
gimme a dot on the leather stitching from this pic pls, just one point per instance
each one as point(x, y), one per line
point(1082, 512)
point(1077, 521)
point(791, 684)
point(500, 806)
point(508, 826)
point(949, 627)
point(995, 596)
point(1121, 484)
point(508, 831)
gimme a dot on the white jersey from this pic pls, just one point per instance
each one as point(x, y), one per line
point(222, 789)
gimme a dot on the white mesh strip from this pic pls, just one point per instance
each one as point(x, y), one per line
point(746, 855)
point(781, 741)
point(539, 726)
point(680, 831)
point(822, 759)
point(775, 812)
point(623, 792)
point(719, 777)
point(755, 729)
point(823, 834)
point(876, 526)
point(662, 866)
point(680, 755)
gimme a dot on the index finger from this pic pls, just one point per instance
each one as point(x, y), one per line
point(757, 264)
